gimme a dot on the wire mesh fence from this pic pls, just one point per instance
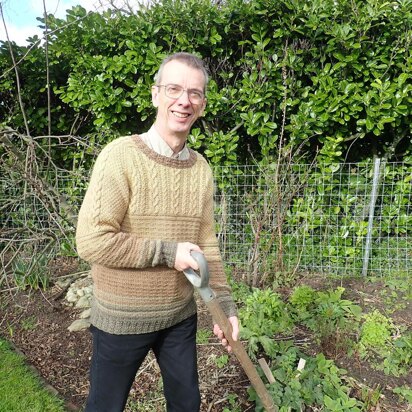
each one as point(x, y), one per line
point(348, 219)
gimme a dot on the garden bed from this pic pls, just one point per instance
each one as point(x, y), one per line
point(36, 323)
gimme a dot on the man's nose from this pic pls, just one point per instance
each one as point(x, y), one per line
point(184, 98)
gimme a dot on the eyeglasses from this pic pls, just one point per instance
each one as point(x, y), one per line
point(174, 91)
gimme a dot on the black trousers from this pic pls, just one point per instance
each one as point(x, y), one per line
point(116, 359)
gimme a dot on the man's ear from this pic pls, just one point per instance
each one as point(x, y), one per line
point(155, 94)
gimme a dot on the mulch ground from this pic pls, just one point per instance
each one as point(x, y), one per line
point(36, 323)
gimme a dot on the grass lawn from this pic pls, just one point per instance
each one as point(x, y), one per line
point(20, 389)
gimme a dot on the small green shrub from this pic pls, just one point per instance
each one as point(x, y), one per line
point(222, 361)
point(302, 301)
point(331, 318)
point(404, 392)
point(202, 336)
point(399, 361)
point(318, 385)
point(264, 316)
point(375, 336)
point(386, 352)
point(397, 292)
point(233, 403)
point(31, 272)
point(335, 318)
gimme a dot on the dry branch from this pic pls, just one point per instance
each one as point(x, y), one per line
point(36, 217)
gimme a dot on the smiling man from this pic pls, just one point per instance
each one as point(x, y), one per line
point(179, 98)
point(148, 205)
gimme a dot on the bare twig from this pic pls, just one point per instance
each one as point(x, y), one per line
point(37, 217)
point(46, 49)
point(16, 73)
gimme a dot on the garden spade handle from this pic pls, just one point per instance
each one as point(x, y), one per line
point(201, 282)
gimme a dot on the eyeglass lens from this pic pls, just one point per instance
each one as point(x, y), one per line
point(175, 91)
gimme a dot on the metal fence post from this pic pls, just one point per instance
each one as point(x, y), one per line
point(374, 193)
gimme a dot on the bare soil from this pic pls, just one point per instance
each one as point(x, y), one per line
point(36, 323)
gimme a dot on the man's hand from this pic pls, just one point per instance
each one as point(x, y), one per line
point(235, 332)
point(184, 259)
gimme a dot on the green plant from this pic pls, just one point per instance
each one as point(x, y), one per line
point(32, 272)
point(331, 318)
point(399, 360)
point(318, 385)
point(240, 290)
point(302, 301)
point(404, 392)
point(334, 313)
point(370, 397)
point(234, 405)
point(202, 336)
point(375, 335)
point(264, 316)
point(222, 361)
point(397, 292)
point(29, 323)
point(344, 403)
point(10, 329)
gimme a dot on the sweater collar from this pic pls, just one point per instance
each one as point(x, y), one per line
point(153, 139)
point(165, 160)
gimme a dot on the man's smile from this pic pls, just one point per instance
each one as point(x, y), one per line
point(180, 115)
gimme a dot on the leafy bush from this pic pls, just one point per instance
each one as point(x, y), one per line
point(31, 272)
point(375, 335)
point(337, 83)
point(302, 302)
point(318, 385)
point(331, 318)
point(334, 314)
point(399, 361)
point(404, 392)
point(264, 316)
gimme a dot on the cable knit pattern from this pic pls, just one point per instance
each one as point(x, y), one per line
point(138, 206)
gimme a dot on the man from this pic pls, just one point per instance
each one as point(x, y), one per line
point(148, 205)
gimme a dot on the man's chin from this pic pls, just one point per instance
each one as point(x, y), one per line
point(181, 128)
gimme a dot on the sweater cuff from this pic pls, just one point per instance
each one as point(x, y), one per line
point(169, 253)
point(228, 306)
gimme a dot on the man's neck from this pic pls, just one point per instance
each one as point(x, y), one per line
point(175, 141)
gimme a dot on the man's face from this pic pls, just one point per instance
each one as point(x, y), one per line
point(175, 117)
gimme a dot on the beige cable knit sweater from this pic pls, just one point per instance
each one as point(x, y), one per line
point(137, 207)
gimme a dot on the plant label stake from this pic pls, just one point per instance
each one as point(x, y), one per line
point(201, 283)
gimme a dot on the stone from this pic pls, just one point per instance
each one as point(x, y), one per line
point(85, 314)
point(83, 302)
point(71, 297)
point(78, 325)
point(63, 283)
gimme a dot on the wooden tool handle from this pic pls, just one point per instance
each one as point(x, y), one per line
point(220, 318)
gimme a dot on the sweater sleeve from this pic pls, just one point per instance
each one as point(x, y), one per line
point(209, 244)
point(99, 237)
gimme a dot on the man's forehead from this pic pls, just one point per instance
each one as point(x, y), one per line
point(176, 71)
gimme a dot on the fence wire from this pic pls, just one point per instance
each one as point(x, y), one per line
point(291, 218)
point(314, 219)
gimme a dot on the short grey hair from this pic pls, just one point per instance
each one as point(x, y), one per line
point(187, 58)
